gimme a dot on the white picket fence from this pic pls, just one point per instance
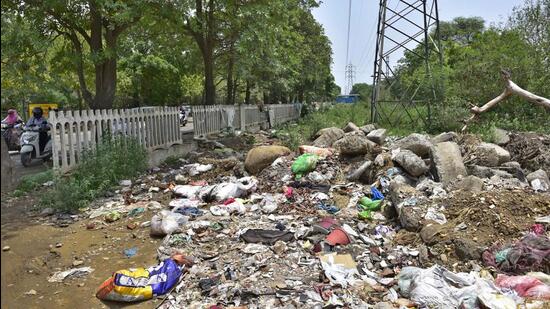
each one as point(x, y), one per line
point(211, 119)
point(75, 131)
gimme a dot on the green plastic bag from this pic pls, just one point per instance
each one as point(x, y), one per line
point(368, 204)
point(365, 215)
point(304, 164)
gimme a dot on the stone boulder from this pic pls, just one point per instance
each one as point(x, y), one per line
point(539, 180)
point(445, 137)
point(351, 127)
point(500, 137)
point(327, 136)
point(487, 172)
point(261, 157)
point(378, 136)
point(354, 145)
point(368, 128)
point(488, 154)
point(417, 143)
point(447, 162)
point(410, 162)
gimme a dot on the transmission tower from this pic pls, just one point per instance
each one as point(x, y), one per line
point(350, 77)
point(404, 27)
point(350, 71)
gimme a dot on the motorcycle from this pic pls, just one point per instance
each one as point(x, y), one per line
point(11, 134)
point(183, 118)
point(30, 146)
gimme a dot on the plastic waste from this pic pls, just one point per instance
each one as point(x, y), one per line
point(130, 252)
point(188, 211)
point(304, 164)
point(434, 215)
point(365, 215)
point(368, 204)
point(71, 273)
point(340, 269)
point(331, 209)
point(318, 151)
point(187, 191)
point(436, 287)
point(183, 202)
point(269, 203)
point(234, 206)
point(196, 168)
point(112, 216)
point(167, 222)
point(130, 285)
point(266, 236)
point(376, 195)
point(136, 211)
point(525, 286)
point(239, 188)
point(496, 301)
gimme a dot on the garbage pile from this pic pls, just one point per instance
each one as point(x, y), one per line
point(357, 219)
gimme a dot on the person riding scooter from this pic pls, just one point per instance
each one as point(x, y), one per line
point(11, 129)
point(38, 122)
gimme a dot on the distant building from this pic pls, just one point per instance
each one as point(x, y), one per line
point(350, 98)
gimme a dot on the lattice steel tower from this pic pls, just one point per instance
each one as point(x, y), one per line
point(411, 27)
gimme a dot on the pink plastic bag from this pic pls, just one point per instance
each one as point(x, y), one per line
point(320, 152)
point(525, 286)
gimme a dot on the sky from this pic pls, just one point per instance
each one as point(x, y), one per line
point(333, 15)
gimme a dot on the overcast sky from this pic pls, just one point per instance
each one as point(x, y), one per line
point(333, 15)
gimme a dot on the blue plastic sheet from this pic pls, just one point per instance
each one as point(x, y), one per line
point(376, 195)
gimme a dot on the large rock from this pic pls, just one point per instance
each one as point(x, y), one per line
point(10, 178)
point(445, 137)
point(410, 162)
point(417, 143)
point(447, 162)
point(261, 157)
point(354, 145)
point(368, 128)
point(500, 137)
point(488, 154)
point(470, 183)
point(487, 172)
point(351, 127)
point(360, 171)
point(327, 136)
point(539, 180)
point(378, 136)
point(467, 249)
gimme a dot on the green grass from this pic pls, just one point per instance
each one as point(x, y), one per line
point(32, 182)
point(100, 170)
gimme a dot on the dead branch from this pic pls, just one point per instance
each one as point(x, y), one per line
point(509, 88)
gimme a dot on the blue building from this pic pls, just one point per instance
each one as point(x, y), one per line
point(350, 98)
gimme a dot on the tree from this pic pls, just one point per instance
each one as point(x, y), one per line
point(93, 27)
point(363, 90)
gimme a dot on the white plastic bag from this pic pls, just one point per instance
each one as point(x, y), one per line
point(167, 222)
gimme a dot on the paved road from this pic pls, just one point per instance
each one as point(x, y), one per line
point(38, 166)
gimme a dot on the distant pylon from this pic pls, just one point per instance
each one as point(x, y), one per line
point(350, 77)
point(404, 26)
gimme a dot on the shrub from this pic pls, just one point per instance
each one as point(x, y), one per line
point(32, 182)
point(114, 159)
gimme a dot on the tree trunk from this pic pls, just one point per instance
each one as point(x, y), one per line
point(229, 94)
point(209, 86)
point(235, 90)
point(247, 93)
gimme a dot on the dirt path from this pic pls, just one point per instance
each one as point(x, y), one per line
point(33, 257)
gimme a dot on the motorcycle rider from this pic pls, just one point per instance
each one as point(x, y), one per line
point(37, 121)
point(12, 118)
point(10, 132)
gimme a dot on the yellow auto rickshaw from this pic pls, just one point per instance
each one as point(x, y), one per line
point(46, 107)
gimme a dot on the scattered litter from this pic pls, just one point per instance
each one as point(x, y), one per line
point(60, 276)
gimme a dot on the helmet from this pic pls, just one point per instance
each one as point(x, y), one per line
point(37, 112)
point(11, 111)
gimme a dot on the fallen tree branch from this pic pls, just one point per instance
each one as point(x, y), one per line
point(510, 88)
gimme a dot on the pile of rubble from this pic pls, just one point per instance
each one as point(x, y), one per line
point(357, 219)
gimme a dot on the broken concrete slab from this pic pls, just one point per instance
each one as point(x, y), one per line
point(354, 145)
point(447, 162)
point(488, 154)
point(378, 136)
point(327, 136)
point(411, 163)
point(487, 172)
point(418, 143)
